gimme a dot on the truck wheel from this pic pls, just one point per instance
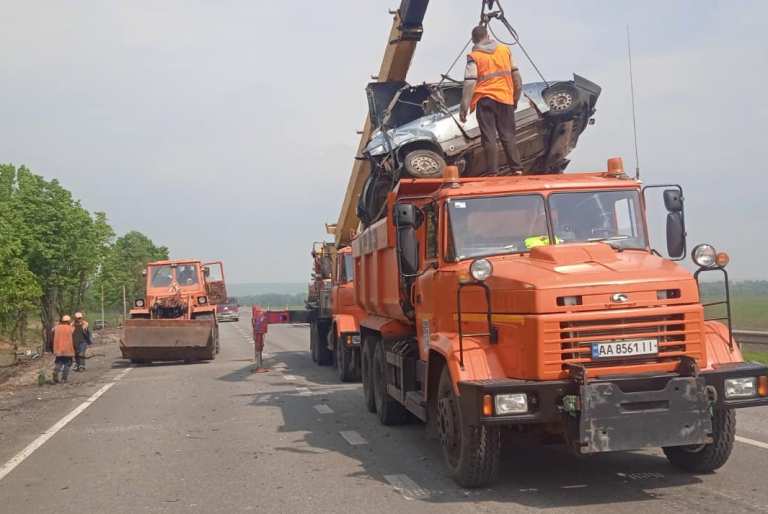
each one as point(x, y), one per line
point(707, 457)
point(366, 365)
point(471, 453)
point(345, 362)
point(313, 341)
point(389, 410)
point(324, 355)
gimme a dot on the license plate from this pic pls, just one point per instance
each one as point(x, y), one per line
point(616, 349)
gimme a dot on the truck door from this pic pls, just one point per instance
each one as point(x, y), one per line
point(215, 286)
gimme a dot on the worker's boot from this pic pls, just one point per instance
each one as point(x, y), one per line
point(65, 374)
point(55, 376)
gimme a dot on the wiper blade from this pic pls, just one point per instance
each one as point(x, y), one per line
point(606, 239)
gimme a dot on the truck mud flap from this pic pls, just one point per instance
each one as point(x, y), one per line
point(167, 339)
point(614, 420)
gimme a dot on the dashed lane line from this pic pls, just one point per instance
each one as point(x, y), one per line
point(747, 440)
point(323, 409)
point(45, 436)
point(407, 487)
point(304, 391)
point(290, 378)
point(353, 438)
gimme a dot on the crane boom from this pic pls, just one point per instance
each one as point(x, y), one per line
point(405, 34)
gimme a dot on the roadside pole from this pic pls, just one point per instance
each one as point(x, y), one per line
point(102, 305)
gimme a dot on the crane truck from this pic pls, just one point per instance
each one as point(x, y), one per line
point(535, 306)
point(334, 315)
point(176, 320)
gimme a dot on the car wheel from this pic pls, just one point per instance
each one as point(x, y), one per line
point(562, 99)
point(423, 163)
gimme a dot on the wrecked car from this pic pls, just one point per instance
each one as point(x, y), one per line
point(417, 132)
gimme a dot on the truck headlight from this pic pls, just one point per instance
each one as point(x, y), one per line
point(741, 387)
point(138, 303)
point(202, 300)
point(516, 403)
point(481, 269)
point(704, 255)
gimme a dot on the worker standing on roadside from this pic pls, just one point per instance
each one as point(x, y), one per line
point(492, 86)
point(260, 327)
point(63, 349)
point(81, 337)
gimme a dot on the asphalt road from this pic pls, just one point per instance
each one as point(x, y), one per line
point(215, 437)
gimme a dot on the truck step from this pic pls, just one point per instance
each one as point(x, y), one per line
point(414, 402)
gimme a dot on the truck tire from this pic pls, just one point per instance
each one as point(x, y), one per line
point(389, 410)
point(366, 365)
point(324, 355)
point(707, 457)
point(471, 453)
point(313, 341)
point(345, 361)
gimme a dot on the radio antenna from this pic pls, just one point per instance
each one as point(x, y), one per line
point(634, 112)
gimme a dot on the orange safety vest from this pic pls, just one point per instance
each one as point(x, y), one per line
point(63, 346)
point(494, 76)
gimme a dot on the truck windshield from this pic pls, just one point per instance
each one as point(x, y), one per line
point(612, 217)
point(515, 224)
point(160, 276)
point(348, 269)
point(186, 274)
point(496, 225)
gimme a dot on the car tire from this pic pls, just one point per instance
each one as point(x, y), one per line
point(707, 457)
point(389, 410)
point(422, 163)
point(562, 99)
point(373, 201)
point(471, 453)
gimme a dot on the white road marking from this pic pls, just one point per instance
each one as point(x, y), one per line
point(304, 391)
point(323, 409)
point(407, 487)
point(289, 377)
point(746, 440)
point(45, 436)
point(575, 486)
point(353, 437)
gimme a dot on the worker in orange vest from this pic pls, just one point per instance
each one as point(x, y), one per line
point(63, 348)
point(492, 86)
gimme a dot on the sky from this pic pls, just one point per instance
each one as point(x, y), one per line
point(227, 129)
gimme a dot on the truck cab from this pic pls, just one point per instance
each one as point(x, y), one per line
point(537, 302)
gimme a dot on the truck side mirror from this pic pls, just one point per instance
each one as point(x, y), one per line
point(407, 215)
point(673, 200)
point(675, 234)
point(407, 220)
point(207, 271)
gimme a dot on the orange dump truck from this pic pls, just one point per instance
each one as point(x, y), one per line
point(334, 319)
point(534, 306)
point(177, 318)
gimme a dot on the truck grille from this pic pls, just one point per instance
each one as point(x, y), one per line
point(671, 332)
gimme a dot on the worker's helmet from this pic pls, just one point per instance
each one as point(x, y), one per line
point(65, 318)
point(78, 315)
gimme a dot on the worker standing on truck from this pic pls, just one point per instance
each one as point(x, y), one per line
point(81, 337)
point(63, 349)
point(492, 86)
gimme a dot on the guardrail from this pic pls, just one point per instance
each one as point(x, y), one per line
point(755, 339)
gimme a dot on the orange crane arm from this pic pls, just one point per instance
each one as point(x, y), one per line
point(405, 34)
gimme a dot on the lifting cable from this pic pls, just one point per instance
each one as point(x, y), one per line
point(487, 14)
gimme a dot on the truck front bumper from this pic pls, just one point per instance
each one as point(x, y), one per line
point(621, 412)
